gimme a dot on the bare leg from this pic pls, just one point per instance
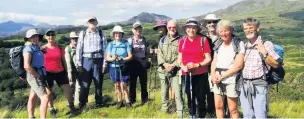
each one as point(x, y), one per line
point(44, 103)
point(118, 91)
point(218, 100)
point(125, 91)
point(232, 105)
point(31, 104)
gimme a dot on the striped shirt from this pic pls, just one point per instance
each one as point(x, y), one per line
point(253, 66)
point(91, 46)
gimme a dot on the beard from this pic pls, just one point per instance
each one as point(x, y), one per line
point(172, 32)
point(250, 36)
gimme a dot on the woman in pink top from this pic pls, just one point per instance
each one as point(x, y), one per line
point(194, 57)
point(54, 65)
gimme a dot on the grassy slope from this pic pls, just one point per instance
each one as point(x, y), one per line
point(288, 102)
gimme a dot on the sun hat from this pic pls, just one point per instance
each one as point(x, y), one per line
point(160, 23)
point(192, 22)
point(117, 28)
point(211, 17)
point(93, 18)
point(73, 35)
point(30, 33)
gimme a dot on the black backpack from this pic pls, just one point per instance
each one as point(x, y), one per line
point(16, 61)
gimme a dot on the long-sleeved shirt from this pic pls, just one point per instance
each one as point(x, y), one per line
point(92, 45)
point(70, 58)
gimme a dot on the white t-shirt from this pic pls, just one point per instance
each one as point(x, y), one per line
point(225, 58)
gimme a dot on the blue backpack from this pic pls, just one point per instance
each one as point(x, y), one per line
point(279, 50)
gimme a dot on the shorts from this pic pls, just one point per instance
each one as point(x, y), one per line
point(225, 89)
point(61, 78)
point(118, 74)
point(38, 86)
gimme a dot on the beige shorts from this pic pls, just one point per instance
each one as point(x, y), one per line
point(225, 89)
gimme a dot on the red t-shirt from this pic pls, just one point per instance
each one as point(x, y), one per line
point(192, 51)
point(52, 59)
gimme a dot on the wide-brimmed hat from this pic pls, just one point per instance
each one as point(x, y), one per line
point(30, 33)
point(137, 24)
point(211, 17)
point(160, 23)
point(192, 22)
point(117, 28)
point(73, 35)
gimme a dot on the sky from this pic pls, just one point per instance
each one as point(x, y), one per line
point(76, 12)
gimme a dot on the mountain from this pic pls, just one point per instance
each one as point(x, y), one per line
point(272, 13)
point(10, 27)
point(45, 25)
point(144, 17)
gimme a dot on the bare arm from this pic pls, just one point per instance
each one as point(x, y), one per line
point(129, 56)
point(27, 64)
point(213, 66)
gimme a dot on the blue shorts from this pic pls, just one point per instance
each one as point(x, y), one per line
point(118, 74)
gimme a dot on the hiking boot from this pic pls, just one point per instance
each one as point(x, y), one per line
point(210, 115)
point(72, 110)
point(192, 117)
point(119, 105)
point(144, 101)
point(129, 105)
point(53, 112)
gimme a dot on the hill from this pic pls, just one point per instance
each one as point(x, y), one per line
point(272, 13)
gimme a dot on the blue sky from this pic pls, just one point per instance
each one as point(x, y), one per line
point(76, 12)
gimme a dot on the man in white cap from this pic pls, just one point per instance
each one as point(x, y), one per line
point(139, 63)
point(70, 58)
point(90, 58)
point(211, 21)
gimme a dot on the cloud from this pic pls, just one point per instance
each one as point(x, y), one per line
point(34, 19)
point(83, 21)
point(83, 14)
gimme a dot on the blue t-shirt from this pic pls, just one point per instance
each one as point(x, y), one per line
point(37, 59)
point(121, 49)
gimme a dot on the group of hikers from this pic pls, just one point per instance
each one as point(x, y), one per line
point(207, 66)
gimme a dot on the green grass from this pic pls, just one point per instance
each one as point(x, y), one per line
point(287, 103)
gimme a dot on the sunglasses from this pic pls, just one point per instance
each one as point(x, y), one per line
point(214, 22)
point(173, 27)
point(50, 34)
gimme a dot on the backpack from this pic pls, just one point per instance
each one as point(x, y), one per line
point(274, 75)
point(17, 61)
point(279, 50)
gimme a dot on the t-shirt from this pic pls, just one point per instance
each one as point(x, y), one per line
point(139, 48)
point(121, 49)
point(192, 51)
point(225, 58)
point(53, 59)
point(37, 60)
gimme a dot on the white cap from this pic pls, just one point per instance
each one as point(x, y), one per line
point(30, 33)
point(73, 35)
point(211, 17)
point(137, 24)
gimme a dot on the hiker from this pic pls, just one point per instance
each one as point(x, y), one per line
point(119, 52)
point(253, 87)
point(90, 57)
point(227, 62)
point(139, 63)
point(210, 22)
point(34, 66)
point(161, 27)
point(194, 58)
point(55, 69)
point(168, 67)
point(70, 58)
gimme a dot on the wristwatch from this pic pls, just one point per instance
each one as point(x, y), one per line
point(199, 65)
point(266, 55)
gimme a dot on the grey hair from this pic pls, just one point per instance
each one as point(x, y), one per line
point(224, 23)
point(252, 21)
point(173, 21)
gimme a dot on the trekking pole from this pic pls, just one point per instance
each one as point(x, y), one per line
point(191, 95)
point(183, 94)
point(155, 74)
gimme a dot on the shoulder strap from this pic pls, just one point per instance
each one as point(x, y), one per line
point(163, 39)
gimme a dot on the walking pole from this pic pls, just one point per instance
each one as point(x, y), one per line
point(191, 95)
point(183, 94)
point(155, 74)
